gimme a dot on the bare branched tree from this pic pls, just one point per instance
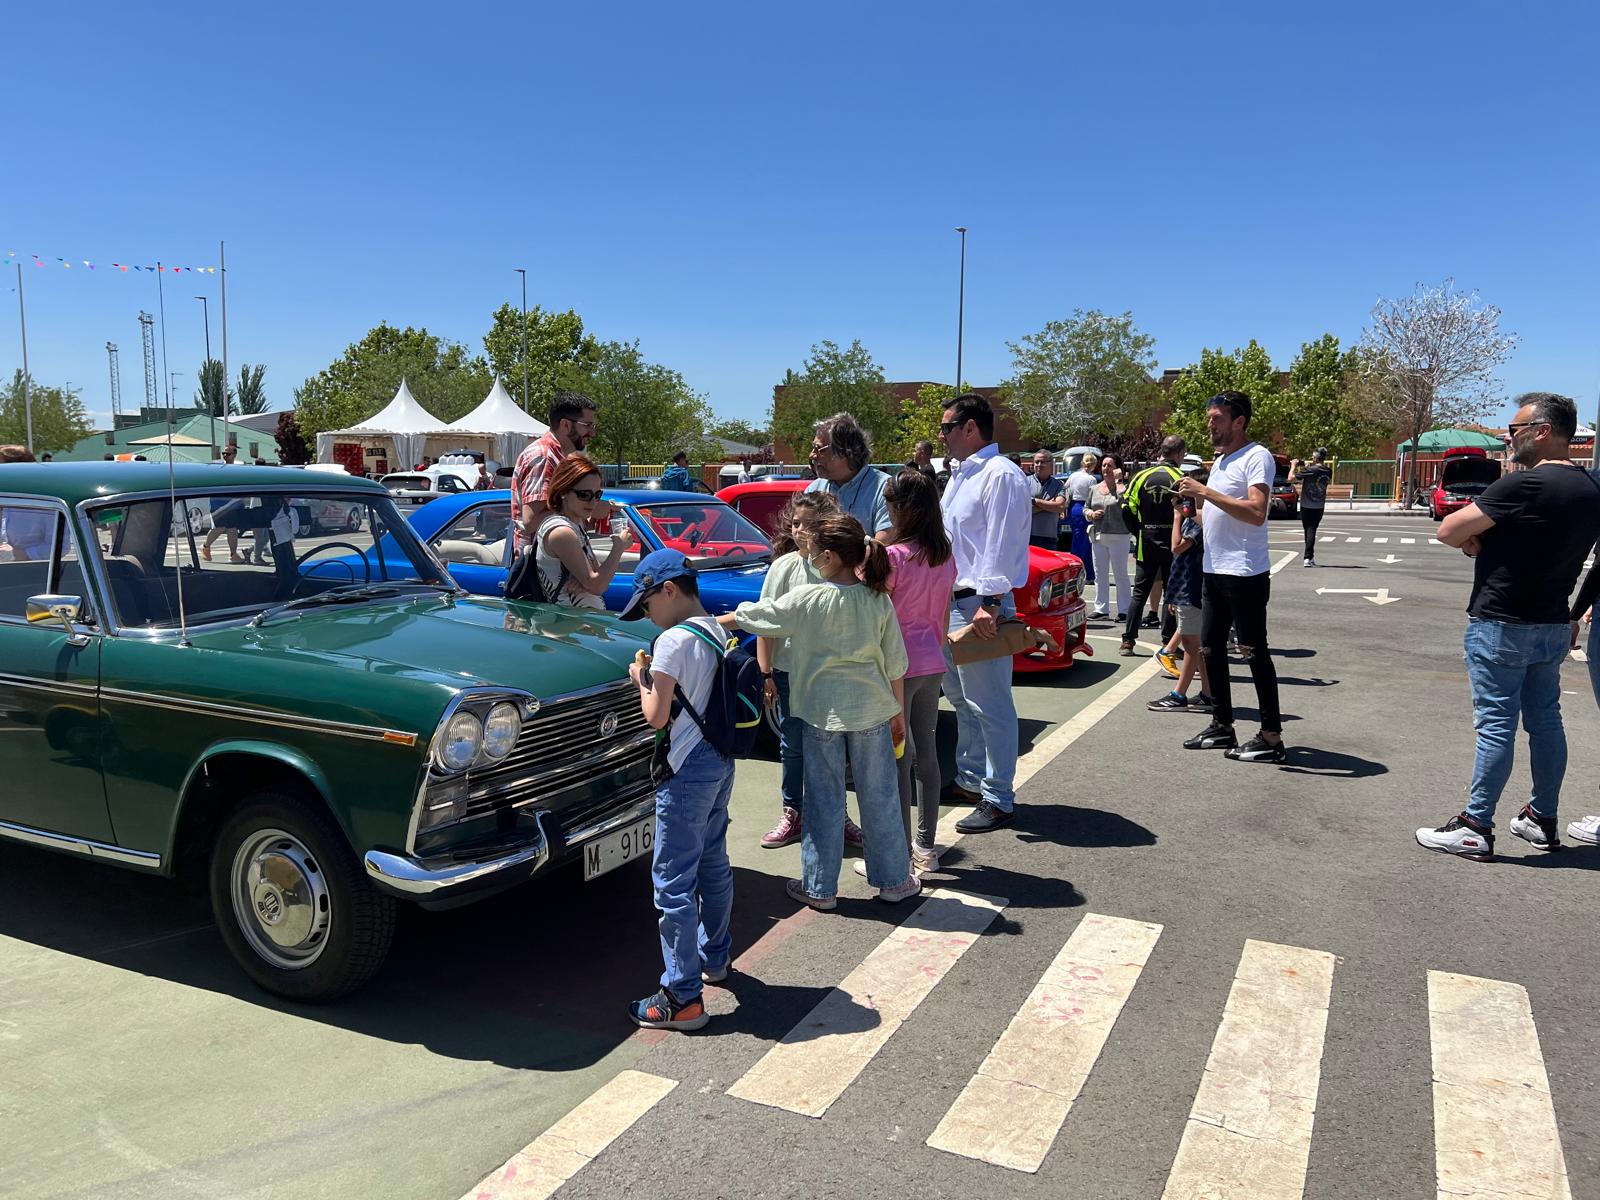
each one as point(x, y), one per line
point(1430, 359)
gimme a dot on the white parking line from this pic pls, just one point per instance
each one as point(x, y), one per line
point(1494, 1125)
point(1408, 541)
point(561, 1151)
point(1380, 541)
point(1249, 1132)
point(1354, 539)
point(1326, 538)
point(822, 1055)
point(1011, 1110)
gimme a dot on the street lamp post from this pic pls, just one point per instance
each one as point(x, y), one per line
point(27, 383)
point(524, 273)
point(205, 310)
point(961, 304)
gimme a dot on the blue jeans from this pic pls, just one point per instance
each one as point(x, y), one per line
point(791, 747)
point(1081, 545)
point(692, 876)
point(986, 715)
point(877, 778)
point(1516, 670)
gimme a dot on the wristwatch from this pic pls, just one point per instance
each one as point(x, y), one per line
point(989, 601)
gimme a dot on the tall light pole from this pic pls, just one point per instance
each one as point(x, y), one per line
point(961, 304)
point(205, 310)
point(27, 396)
point(524, 273)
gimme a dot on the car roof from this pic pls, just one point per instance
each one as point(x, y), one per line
point(75, 482)
point(756, 486)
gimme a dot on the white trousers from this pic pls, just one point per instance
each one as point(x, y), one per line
point(1111, 553)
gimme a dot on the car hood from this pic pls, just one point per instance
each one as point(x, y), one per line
point(449, 642)
point(1462, 473)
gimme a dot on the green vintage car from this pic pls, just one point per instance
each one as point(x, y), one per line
point(191, 681)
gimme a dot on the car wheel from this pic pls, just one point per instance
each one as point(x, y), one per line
point(352, 523)
point(291, 902)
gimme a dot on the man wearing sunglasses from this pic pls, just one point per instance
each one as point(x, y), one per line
point(572, 426)
point(840, 453)
point(988, 512)
point(1529, 532)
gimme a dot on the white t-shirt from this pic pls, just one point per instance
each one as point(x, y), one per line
point(686, 657)
point(1232, 546)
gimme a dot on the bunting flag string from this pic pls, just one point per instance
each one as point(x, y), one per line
point(41, 261)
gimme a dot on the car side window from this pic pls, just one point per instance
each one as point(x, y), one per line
point(27, 542)
point(477, 536)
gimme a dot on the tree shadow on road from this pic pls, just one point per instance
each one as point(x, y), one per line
point(1330, 764)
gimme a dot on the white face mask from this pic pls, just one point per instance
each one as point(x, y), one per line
point(818, 564)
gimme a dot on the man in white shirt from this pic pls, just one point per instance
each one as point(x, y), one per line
point(987, 513)
point(1238, 576)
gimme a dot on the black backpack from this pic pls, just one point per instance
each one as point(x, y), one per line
point(524, 582)
point(733, 713)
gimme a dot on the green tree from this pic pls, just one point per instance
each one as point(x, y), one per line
point(1248, 370)
point(1323, 405)
point(835, 380)
point(252, 395)
point(59, 420)
point(919, 419)
point(445, 379)
point(293, 449)
point(1089, 375)
point(736, 429)
point(646, 412)
point(213, 395)
point(556, 345)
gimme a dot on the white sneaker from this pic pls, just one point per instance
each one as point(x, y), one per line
point(1456, 837)
point(1310, 562)
point(1586, 830)
point(1536, 830)
point(901, 891)
point(860, 867)
point(923, 862)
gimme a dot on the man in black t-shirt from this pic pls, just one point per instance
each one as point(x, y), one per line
point(1313, 481)
point(1530, 532)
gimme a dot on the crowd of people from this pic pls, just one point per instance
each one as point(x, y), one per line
point(885, 593)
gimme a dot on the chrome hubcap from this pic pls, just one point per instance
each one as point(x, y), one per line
point(280, 899)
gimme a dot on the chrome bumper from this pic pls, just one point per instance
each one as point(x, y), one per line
point(424, 880)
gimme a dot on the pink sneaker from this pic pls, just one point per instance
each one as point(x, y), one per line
point(852, 834)
point(786, 832)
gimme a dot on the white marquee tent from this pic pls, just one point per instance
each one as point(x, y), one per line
point(404, 423)
point(497, 428)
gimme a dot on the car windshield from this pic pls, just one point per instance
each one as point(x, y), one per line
point(239, 554)
point(710, 531)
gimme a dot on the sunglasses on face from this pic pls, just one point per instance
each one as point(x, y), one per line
point(947, 426)
point(585, 494)
point(820, 448)
point(1517, 426)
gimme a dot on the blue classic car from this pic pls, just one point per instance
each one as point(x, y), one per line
point(470, 533)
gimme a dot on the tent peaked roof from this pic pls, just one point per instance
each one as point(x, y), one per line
point(498, 414)
point(401, 415)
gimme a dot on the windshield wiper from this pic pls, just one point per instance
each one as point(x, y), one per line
point(348, 594)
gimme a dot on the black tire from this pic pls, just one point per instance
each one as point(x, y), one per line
point(357, 921)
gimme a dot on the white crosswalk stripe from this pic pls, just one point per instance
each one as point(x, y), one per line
point(1249, 1132)
point(1327, 537)
point(1352, 540)
point(821, 1056)
point(1494, 1123)
point(1408, 541)
point(1380, 541)
point(1012, 1109)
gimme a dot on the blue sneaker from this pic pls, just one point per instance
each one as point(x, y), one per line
point(663, 1011)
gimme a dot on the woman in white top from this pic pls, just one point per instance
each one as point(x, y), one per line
point(567, 565)
point(1112, 542)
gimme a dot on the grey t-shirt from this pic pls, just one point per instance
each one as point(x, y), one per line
point(1045, 524)
point(1111, 506)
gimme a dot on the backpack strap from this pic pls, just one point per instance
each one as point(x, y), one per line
point(682, 701)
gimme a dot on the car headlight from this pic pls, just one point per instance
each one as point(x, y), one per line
point(501, 729)
point(461, 741)
point(1044, 594)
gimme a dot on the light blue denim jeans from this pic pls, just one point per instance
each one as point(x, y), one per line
point(692, 876)
point(1515, 671)
point(986, 715)
point(791, 747)
point(877, 779)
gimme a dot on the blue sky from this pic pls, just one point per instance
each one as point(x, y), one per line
point(731, 184)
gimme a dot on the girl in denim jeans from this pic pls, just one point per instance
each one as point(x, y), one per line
point(847, 669)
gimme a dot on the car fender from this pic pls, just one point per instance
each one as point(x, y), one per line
point(286, 756)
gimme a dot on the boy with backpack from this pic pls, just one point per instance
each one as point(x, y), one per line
point(688, 689)
point(1183, 604)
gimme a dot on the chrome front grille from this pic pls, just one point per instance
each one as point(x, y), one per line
point(565, 746)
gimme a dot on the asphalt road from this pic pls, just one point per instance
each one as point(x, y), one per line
point(135, 1062)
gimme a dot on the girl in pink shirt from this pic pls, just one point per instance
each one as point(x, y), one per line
point(924, 572)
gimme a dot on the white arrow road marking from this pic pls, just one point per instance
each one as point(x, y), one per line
point(1390, 559)
point(1371, 595)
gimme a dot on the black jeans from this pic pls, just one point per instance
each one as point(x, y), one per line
point(1155, 563)
point(1239, 601)
point(1310, 518)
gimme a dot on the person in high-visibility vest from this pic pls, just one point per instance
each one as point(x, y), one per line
point(1149, 503)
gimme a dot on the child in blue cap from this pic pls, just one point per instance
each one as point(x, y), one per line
point(692, 876)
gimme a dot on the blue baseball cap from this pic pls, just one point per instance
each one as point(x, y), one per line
point(653, 570)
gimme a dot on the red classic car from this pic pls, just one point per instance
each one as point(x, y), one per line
point(1464, 473)
point(1051, 600)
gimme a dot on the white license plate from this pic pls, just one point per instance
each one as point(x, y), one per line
point(1076, 618)
point(624, 845)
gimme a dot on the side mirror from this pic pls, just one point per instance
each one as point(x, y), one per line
point(66, 609)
